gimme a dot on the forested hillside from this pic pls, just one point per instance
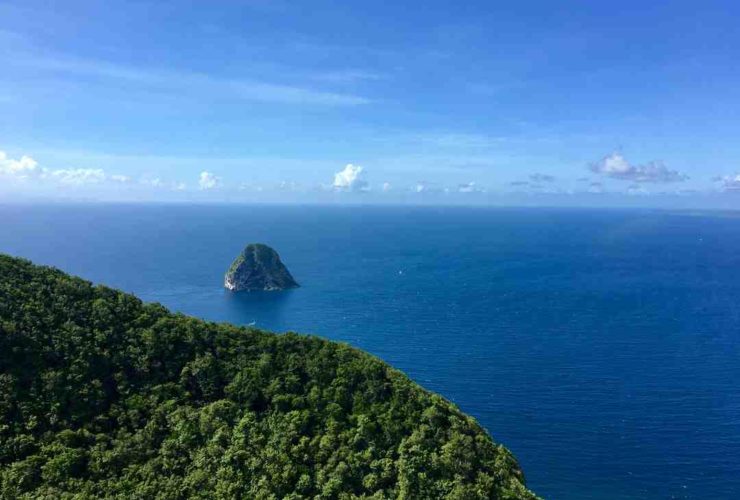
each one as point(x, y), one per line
point(102, 395)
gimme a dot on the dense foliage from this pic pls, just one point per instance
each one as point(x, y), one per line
point(102, 395)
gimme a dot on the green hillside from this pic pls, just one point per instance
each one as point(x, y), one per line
point(102, 395)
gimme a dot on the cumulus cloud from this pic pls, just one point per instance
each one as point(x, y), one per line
point(350, 179)
point(729, 182)
point(616, 166)
point(208, 180)
point(386, 187)
point(25, 168)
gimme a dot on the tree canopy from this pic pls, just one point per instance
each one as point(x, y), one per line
point(104, 396)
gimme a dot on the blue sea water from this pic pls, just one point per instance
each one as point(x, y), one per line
point(601, 347)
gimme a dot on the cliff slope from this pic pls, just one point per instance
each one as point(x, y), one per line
point(103, 396)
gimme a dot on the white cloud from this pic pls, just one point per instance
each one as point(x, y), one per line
point(79, 176)
point(208, 180)
point(25, 168)
point(469, 187)
point(350, 179)
point(386, 187)
point(617, 167)
point(614, 165)
point(729, 182)
point(158, 183)
point(425, 187)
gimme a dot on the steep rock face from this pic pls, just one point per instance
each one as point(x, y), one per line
point(258, 267)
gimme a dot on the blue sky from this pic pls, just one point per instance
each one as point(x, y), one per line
point(541, 102)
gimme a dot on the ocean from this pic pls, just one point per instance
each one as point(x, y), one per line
point(602, 347)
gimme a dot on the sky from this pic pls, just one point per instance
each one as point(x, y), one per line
point(478, 102)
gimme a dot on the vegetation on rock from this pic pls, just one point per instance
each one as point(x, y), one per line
point(103, 396)
point(258, 267)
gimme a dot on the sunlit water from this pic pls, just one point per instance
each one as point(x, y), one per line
point(601, 347)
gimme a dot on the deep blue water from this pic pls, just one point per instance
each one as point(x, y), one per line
point(601, 347)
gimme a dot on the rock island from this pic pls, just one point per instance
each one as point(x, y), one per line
point(258, 267)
